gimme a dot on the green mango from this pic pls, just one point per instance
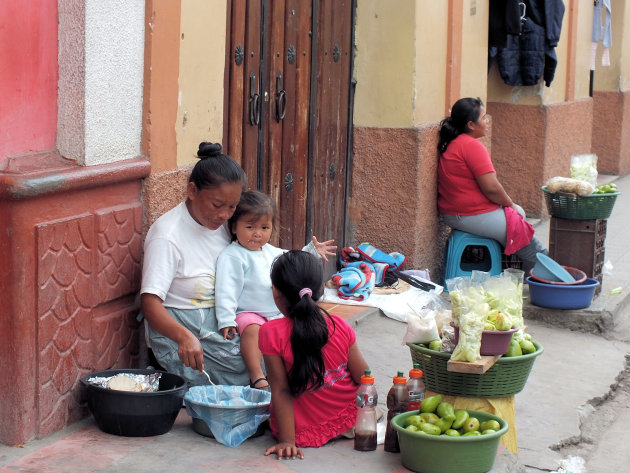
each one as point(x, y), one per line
point(452, 433)
point(471, 433)
point(490, 424)
point(445, 410)
point(444, 424)
point(487, 431)
point(429, 417)
point(429, 404)
point(435, 345)
point(415, 420)
point(515, 349)
point(527, 347)
point(411, 428)
point(431, 429)
point(461, 416)
point(471, 424)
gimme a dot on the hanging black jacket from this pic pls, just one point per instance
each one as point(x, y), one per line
point(531, 55)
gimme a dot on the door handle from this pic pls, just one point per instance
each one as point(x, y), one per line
point(254, 101)
point(281, 98)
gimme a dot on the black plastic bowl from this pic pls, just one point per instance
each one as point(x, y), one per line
point(135, 414)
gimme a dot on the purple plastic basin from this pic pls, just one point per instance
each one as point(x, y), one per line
point(493, 342)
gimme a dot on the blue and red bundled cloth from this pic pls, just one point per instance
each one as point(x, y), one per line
point(364, 268)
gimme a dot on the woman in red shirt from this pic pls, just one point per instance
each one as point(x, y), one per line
point(470, 197)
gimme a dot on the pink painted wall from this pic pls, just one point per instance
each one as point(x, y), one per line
point(28, 82)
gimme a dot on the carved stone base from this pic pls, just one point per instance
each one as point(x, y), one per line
point(71, 248)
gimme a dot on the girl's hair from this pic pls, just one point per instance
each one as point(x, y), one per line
point(214, 168)
point(290, 273)
point(463, 111)
point(253, 203)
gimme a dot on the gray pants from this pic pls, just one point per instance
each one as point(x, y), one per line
point(222, 359)
point(493, 225)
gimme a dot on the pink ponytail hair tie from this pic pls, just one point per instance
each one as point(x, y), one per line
point(305, 291)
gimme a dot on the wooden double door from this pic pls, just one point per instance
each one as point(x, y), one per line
point(288, 109)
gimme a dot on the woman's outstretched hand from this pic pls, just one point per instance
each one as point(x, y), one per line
point(325, 248)
point(285, 450)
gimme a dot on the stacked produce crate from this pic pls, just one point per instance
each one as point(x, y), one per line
point(577, 233)
point(579, 244)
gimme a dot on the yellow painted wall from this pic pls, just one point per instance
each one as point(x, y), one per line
point(384, 63)
point(624, 79)
point(430, 61)
point(583, 49)
point(615, 77)
point(474, 80)
point(201, 68)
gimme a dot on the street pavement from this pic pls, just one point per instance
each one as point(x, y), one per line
point(574, 405)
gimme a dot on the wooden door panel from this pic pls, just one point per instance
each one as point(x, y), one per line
point(330, 120)
point(252, 101)
point(294, 167)
point(234, 66)
point(276, 99)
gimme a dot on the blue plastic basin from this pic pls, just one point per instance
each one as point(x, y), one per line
point(554, 296)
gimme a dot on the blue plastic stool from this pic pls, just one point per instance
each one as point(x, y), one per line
point(466, 252)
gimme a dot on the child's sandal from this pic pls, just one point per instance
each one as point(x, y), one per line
point(252, 384)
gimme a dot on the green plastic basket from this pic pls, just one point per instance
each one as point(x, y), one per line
point(575, 207)
point(426, 453)
point(506, 377)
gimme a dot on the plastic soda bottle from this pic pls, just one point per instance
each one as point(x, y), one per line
point(415, 388)
point(397, 402)
point(365, 428)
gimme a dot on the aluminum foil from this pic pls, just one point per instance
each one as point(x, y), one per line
point(149, 383)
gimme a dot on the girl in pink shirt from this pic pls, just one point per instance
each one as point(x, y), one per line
point(313, 363)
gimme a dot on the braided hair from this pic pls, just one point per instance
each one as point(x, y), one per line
point(214, 168)
point(299, 276)
point(463, 111)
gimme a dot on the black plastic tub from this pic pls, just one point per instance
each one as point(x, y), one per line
point(136, 414)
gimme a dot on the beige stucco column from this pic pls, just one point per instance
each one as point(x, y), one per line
point(611, 97)
point(411, 63)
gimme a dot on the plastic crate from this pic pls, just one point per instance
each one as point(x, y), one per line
point(506, 377)
point(575, 207)
point(579, 244)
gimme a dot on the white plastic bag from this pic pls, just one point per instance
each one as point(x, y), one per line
point(421, 327)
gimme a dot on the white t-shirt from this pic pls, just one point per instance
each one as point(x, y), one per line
point(180, 260)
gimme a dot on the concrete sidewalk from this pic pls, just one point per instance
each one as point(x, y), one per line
point(575, 376)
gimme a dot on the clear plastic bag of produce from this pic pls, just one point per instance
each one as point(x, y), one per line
point(504, 294)
point(470, 311)
point(483, 302)
point(470, 329)
point(466, 292)
point(584, 168)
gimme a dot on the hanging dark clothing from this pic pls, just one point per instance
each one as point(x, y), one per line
point(505, 18)
point(531, 55)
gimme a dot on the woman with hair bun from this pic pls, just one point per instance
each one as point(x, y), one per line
point(470, 197)
point(179, 271)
